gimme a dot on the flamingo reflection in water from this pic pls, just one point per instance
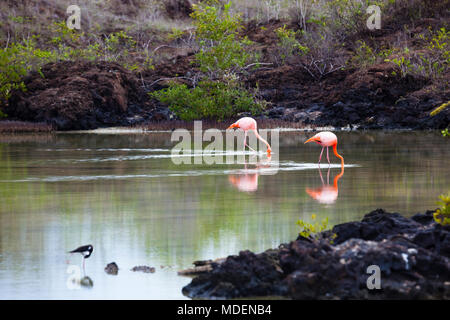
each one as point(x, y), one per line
point(247, 180)
point(326, 194)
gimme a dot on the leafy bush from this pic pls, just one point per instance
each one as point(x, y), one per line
point(289, 46)
point(61, 34)
point(112, 47)
point(442, 215)
point(364, 55)
point(433, 63)
point(16, 61)
point(116, 47)
point(210, 99)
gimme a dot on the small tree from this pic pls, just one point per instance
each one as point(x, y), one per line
point(222, 50)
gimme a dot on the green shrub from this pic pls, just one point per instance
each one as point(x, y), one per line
point(16, 61)
point(112, 47)
point(288, 44)
point(210, 100)
point(432, 63)
point(313, 230)
point(445, 132)
point(61, 34)
point(10, 73)
point(404, 64)
point(442, 215)
point(221, 48)
point(364, 55)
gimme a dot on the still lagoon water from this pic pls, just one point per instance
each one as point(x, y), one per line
point(123, 194)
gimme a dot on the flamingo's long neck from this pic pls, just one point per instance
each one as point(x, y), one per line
point(339, 156)
point(269, 150)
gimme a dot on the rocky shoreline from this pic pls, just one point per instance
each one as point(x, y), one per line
point(413, 255)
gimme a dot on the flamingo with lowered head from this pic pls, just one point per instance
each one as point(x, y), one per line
point(326, 139)
point(249, 124)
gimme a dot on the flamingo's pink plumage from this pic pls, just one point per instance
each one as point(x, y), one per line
point(326, 139)
point(249, 124)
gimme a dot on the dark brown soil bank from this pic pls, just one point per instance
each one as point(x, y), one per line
point(412, 254)
point(81, 95)
point(371, 98)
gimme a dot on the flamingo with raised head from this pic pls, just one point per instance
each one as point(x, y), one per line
point(249, 124)
point(326, 139)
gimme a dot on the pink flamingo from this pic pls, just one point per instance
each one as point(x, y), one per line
point(326, 139)
point(249, 124)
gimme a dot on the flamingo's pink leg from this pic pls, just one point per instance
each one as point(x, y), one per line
point(245, 142)
point(320, 157)
point(328, 157)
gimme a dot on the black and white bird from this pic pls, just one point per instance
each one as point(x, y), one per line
point(85, 251)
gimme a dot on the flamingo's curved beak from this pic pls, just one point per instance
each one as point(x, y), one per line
point(312, 139)
point(234, 125)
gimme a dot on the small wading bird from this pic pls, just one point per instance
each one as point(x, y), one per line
point(85, 251)
point(249, 124)
point(326, 139)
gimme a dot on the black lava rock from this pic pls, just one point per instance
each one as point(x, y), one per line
point(411, 254)
point(244, 275)
point(145, 269)
point(112, 268)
